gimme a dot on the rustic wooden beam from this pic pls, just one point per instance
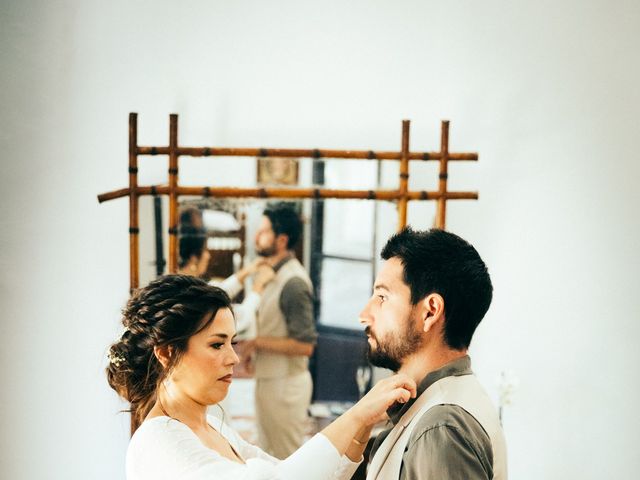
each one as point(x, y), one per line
point(288, 193)
point(303, 153)
point(173, 193)
point(403, 187)
point(441, 212)
point(134, 228)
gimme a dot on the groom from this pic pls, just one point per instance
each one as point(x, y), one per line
point(430, 295)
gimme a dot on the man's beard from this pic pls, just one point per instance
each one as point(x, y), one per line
point(391, 350)
point(266, 251)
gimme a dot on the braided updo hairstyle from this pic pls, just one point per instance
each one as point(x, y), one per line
point(167, 312)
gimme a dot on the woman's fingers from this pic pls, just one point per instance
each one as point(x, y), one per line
point(403, 381)
point(401, 395)
point(397, 395)
point(373, 406)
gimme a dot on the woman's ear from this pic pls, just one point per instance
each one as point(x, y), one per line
point(433, 311)
point(163, 354)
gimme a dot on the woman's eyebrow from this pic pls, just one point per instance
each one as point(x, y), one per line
point(222, 335)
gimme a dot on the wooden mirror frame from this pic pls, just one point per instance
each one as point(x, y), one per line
point(173, 190)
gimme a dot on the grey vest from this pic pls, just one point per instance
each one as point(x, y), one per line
point(465, 391)
point(271, 323)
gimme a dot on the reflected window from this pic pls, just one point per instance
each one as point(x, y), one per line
point(346, 286)
point(343, 248)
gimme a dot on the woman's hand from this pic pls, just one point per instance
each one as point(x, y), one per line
point(372, 408)
point(250, 268)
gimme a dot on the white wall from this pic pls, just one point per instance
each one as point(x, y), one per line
point(547, 92)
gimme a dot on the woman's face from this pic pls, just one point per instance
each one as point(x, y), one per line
point(204, 371)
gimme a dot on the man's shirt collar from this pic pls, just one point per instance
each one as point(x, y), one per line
point(461, 366)
point(281, 263)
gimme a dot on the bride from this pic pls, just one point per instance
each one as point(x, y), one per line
point(176, 358)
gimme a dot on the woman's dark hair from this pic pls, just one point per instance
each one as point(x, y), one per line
point(191, 217)
point(435, 261)
point(167, 312)
point(192, 242)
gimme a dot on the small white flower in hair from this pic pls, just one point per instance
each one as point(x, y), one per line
point(115, 359)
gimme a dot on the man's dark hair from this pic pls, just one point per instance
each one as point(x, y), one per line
point(285, 220)
point(436, 261)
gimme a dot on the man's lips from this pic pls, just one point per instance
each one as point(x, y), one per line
point(226, 378)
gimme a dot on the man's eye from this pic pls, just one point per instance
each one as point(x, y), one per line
point(382, 298)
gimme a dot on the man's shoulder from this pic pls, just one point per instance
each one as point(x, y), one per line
point(292, 278)
point(296, 284)
point(451, 422)
point(292, 268)
point(447, 442)
point(451, 416)
point(295, 279)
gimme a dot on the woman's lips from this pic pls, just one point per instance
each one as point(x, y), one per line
point(226, 378)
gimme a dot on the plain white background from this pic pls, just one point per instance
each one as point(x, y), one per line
point(547, 92)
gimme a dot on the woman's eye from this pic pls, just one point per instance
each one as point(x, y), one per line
point(217, 346)
point(382, 298)
point(234, 343)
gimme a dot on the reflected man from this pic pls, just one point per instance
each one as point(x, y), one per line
point(286, 336)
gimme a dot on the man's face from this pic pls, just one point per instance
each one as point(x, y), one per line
point(265, 238)
point(389, 318)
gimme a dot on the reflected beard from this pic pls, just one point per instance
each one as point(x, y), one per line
point(266, 251)
point(394, 348)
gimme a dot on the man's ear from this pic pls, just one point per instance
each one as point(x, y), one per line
point(282, 240)
point(432, 311)
point(163, 354)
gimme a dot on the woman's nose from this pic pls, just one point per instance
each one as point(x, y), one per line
point(233, 358)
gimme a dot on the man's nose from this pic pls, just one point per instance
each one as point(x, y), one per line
point(365, 318)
